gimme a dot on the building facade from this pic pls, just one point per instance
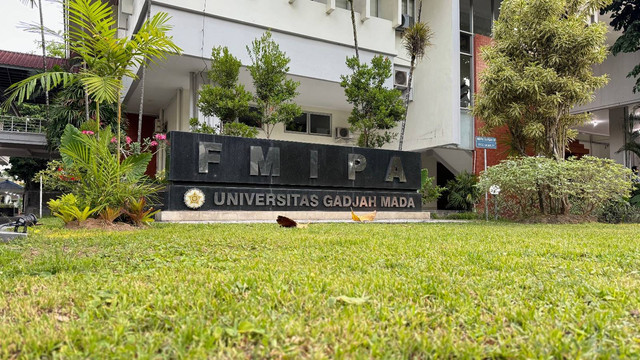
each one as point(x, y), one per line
point(317, 36)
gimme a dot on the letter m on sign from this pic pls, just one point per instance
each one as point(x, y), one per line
point(265, 166)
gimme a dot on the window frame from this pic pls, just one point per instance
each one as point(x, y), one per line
point(308, 132)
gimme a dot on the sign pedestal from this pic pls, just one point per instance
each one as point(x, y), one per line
point(224, 178)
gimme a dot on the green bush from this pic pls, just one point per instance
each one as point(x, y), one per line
point(429, 191)
point(67, 208)
point(541, 186)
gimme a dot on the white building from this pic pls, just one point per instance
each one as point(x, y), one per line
point(317, 36)
point(613, 107)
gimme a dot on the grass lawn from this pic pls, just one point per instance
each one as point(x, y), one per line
point(332, 290)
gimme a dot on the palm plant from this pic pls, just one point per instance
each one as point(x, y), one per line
point(416, 39)
point(93, 38)
point(463, 192)
point(32, 3)
point(103, 180)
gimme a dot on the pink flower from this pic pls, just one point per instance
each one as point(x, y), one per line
point(153, 143)
point(128, 139)
point(87, 132)
point(161, 137)
point(114, 140)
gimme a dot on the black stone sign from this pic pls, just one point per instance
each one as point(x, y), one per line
point(236, 173)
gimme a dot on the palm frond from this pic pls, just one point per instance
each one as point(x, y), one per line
point(23, 90)
point(416, 39)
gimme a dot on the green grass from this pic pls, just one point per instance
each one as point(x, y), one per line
point(467, 290)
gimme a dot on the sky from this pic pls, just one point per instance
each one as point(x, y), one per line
point(13, 12)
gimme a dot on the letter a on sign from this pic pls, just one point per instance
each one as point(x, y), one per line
point(395, 170)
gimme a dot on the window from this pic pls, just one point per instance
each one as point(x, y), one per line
point(482, 17)
point(465, 43)
point(465, 81)
point(374, 7)
point(465, 15)
point(252, 118)
point(343, 4)
point(311, 123)
point(408, 7)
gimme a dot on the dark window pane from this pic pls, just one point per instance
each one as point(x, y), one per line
point(299, 124)
point(320, 124)
point(252, 118)
point(465, 43)
point(496, 9)
point(465, 81)
point(482, 17)
point(465, 15)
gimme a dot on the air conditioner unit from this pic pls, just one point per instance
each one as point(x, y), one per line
point(343, 133)
point(401, 79)
point(407, 20)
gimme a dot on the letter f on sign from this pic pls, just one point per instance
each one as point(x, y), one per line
point(208, 152)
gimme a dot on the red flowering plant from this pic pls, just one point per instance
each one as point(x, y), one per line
point(152, 145)
point(56, 178)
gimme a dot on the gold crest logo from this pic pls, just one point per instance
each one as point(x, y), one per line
point(194, 198)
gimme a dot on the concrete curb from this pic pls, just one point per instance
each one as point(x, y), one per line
point(270, 216)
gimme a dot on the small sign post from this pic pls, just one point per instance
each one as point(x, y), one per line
point(484, 142)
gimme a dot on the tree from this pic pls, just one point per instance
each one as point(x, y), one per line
point(227, 99)
point(25, 168)
point(539, 67)
point(274, 91)
point(416, 39)
point(376, 109)
point(625, 16)
point(108, 59)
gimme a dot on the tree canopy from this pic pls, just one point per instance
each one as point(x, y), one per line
point(376, 109)
point(274, 91)
point(539, 67)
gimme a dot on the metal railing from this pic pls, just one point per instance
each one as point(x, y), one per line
point(22, 124)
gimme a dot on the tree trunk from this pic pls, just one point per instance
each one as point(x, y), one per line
point(141, 102)
point(119, 132)
point(44, 58)
point(144, 69)
point(86, 100)
point(355, 32)
point(406, 103)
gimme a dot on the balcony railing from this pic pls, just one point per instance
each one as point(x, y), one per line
point(22, 124)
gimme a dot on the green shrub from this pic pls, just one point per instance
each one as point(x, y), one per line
point(542, 186)
point(429, 191)
point(462, 216)
point(463, 191)
point(240, 129)
point(66, 207)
